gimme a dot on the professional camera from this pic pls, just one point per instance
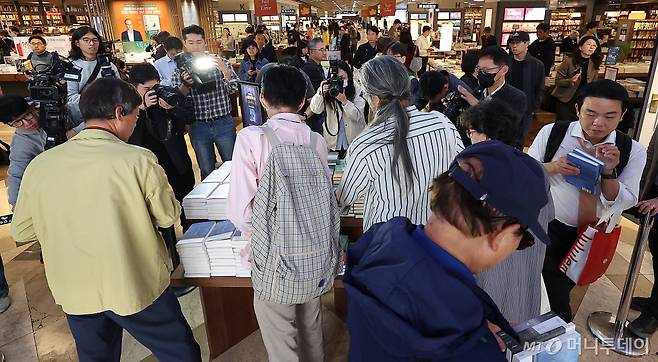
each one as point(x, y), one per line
point(199, 68)
point(334, 81)
point(168, 94)
point(455, 104)
point(105, 61)
point(48, 87)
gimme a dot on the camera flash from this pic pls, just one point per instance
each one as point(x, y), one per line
point(203, 63)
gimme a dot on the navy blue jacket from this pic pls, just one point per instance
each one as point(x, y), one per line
point(405, 305)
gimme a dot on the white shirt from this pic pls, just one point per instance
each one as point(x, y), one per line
point(433, 143)
point(565, 195)
point(131, 35)
point(486, 91)
point(423, 45)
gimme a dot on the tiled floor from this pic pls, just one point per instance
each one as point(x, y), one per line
point(35, 329)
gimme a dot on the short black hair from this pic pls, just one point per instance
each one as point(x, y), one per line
point(38, 31)
point(162, 37)
point(396, 48)
point(193, 29)
point(397, 21)
point(142, 73)
point(100, 99)
point(426, 28)
point(470, 61)
point(592, 25)
point(432, 83)
point(284, 86)
point(173, 43)
point(37, 37)
point(606, 89)
point(498, 54)
point(544, 26)
point(495, 119)
point(487, 29)
point(374, 29)
point(249, 29)
point(12, 106)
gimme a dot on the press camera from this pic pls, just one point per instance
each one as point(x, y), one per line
point(334, 81)
point(199, 68)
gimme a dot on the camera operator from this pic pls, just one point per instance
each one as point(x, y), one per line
point(28, 141)
point(161, 127)
point(211, 100)
point(85, 48)
point(436, 86)
point(341, 98)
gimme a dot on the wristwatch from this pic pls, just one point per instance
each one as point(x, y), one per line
point(611, 176)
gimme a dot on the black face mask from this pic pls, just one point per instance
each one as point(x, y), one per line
point(486, 80)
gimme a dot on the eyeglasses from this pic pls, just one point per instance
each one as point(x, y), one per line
point(487, 70)
point(320, 49)
point(527, 239)
point(90, 40)
point(29, 115)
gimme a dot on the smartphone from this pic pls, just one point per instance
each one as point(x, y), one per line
point(576, 72)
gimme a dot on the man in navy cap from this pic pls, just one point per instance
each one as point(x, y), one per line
point(411, 291)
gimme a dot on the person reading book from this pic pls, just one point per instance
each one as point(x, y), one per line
point(411, 291)
point(601, 107)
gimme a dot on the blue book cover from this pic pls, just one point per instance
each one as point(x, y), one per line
point(197, 231)
point(590, 170)
point(221, 231)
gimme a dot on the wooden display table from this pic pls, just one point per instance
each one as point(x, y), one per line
point(14, 84)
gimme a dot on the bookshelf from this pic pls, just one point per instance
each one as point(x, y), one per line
point(565, 21)
point(643, 39)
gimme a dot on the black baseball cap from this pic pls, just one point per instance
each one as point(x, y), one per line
point(519, 36)
point(512, 182)
point(12, 106)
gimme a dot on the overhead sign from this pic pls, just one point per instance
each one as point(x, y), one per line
point(387, 7)
point(347, 13)
point(370, 11)
point(304, 10)
point(427, 6)
point(265, 8)
point(288, 12)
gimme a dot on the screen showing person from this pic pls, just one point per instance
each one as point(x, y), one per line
point(252, 114)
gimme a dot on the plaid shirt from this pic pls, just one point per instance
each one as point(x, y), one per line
point(213, 103)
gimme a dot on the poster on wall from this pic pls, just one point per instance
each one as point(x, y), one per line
point(304, 10)
point(60, 44)
point(137, 21)
point(387, 8)
point(265, 8)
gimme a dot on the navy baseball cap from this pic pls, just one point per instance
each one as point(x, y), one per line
point(519, 36)
point(512, 182)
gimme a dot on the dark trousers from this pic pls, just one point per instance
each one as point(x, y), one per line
point(423, 68)
point(558, 285)
point(161, 328)
point(4, 287)
point(653, 247)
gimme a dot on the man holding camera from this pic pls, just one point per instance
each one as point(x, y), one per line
point(95, 204)
point(214, 125)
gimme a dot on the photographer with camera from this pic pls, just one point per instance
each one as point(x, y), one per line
point(342, 100)
point(85, 50)
point(161, 127)
point(209, 81)
point(252, 63)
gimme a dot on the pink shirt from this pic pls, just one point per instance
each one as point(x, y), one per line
point(250, 156)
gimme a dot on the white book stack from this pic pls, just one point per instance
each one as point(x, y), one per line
point(194, 203)
point(219, 175)
point(238, 244)
point(192, 250)
point(220, 251)
point(217, 203)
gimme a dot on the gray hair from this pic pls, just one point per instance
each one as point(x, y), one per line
point(386, 78)
point(313, 43)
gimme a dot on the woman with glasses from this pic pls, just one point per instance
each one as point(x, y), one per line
point(85, 47)
point(392, 162)
point(515, 284)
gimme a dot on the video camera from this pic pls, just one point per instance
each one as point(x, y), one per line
point(199, 68)
point(334, 81)
point(48, 87)
point(455, 104)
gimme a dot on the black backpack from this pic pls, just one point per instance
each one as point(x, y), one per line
point(622, 141)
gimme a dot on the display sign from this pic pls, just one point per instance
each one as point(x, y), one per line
point(445, 44)
point(443, 16)
point(138, 20)
point(288, 12)
point(369, 12)
point(265, 8)
point(535, 14)
point(514, 14)
point(387, 7)
point(304, 10)
point(455, 15)
point(252, 111)
point(60, 44)
point(613, 54)
point(427, 6)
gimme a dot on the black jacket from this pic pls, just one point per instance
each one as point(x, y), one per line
point(364, 53)
point(269, 53)
point(315, 72)
point(513, 97)
point(545, 52)
point(567, 46)
point(488, 41)
point(533, 81)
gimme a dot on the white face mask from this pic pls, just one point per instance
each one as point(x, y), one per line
point(345, 83)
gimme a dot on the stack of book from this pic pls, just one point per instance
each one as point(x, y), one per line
point(195, 202)
point(220, 250)
point(238, 244)
point(217, 203)
point(221, 174)
point(590, 170)
point(192, 250)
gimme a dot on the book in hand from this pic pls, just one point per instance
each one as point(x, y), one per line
point(590, 169)
point(545, 338)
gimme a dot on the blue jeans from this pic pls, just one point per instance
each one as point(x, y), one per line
point(4, 287)
point(220, 133)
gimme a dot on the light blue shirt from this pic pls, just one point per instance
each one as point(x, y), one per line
point(166, 67)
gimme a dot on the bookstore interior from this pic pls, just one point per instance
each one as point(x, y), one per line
point(208, 259)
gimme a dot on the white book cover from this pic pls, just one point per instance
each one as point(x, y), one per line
point(221, 192)
point(201, 191)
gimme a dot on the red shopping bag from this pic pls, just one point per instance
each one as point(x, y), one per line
point(591, 254)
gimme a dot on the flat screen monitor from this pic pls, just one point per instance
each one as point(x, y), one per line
point(252, 111)
point(514, 14)
point(535, 14)
point(455, 15)
point(443, 16)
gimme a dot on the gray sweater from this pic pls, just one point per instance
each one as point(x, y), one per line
point(74, 89)
point(25, 146)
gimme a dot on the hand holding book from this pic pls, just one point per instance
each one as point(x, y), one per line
point(609, 154)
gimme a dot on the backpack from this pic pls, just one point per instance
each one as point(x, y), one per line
point(622, 141)
point(296, 225)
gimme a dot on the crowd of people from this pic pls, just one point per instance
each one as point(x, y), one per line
point(440, 207)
